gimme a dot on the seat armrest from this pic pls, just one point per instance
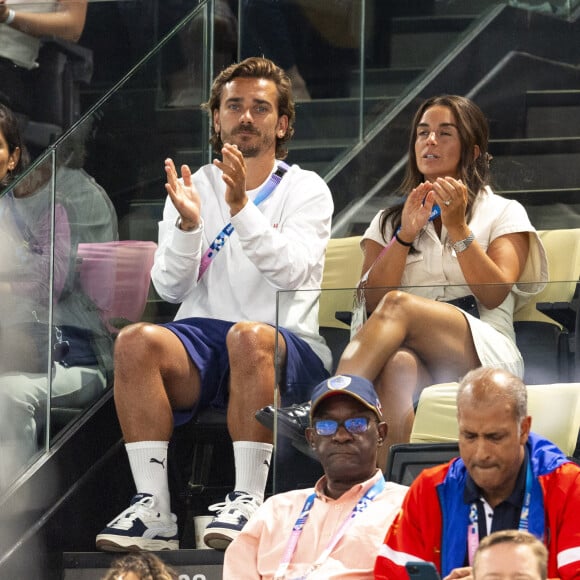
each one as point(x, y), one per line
point(343, 316)
point(564, 313)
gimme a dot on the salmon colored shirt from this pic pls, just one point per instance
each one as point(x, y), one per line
point(257, 551)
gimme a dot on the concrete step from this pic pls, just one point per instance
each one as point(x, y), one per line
point(450, 7)
point(384, 82)
point(552, 163)
point(416, 41)
point(549, 208)
point(553, 113)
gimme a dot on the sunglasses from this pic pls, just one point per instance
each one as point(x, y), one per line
point(328, 427)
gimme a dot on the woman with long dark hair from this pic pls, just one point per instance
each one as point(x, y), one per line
point(451, 238)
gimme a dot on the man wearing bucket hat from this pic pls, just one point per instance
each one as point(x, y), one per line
point(333, 530)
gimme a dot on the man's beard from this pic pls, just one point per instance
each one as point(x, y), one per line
point(249, 149)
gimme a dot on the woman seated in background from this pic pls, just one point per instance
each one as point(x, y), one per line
point(451, 238)
point(39, 295)
point(27, 262)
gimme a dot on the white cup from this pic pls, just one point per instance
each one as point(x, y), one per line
point(199, 525)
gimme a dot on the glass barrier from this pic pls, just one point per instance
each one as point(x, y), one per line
point(33, 269)
point(165, 47)
point(543, 329)
point(563, 8)
point(369, 54)
point(112, 106)
point(84, 224)
point(374, 62)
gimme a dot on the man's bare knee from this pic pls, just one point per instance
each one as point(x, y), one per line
point(248, 340)
point(144, 346)
point(135, 338)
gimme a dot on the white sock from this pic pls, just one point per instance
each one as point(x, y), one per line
point(252, 463)
point(148, 461)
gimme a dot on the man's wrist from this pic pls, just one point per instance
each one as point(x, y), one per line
point(10, 15)
point(185, 227)
point(236, 208)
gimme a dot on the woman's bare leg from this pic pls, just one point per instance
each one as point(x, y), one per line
point(436, 332)
point(409, 342)
point(400, 380)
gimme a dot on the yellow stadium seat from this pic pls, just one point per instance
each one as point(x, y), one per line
point(555, 411)
point(545, 326)
point(342, 270)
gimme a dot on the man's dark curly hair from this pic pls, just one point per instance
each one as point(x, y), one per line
point(257, 68)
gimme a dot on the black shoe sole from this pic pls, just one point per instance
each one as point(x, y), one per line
point(286, 427)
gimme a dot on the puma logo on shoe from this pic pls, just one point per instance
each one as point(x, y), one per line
point(162, 462)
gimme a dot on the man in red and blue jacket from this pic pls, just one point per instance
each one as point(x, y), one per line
point(506, 478)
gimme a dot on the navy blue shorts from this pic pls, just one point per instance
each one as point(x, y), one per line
point(204, 340)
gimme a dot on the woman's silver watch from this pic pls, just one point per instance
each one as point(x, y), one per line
point(462, 245)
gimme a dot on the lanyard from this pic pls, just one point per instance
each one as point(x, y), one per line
point(360, 506)
point(435, 213)
point(227, 231)
point(473, 529)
